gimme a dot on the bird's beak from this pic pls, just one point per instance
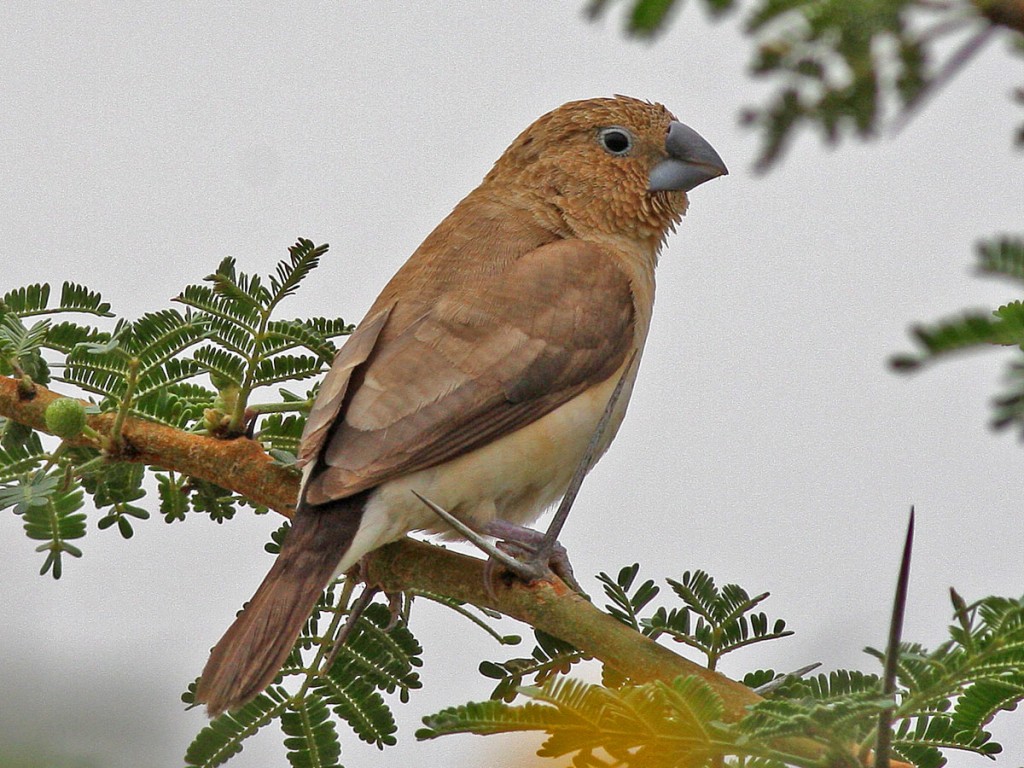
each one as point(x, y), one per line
point(691, 161)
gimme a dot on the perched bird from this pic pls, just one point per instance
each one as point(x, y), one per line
point(479, 374)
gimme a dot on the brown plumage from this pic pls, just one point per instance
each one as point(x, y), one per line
point(479, 373)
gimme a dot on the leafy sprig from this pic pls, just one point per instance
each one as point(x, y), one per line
point(845, 68)
point(250, 349)
point(153, 368)
point(1001, 257)
point(309, 701)
point(714, 621)
point(946, 699)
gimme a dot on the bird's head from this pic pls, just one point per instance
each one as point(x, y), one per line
point(616, 166)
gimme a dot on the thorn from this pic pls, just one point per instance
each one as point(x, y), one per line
point(526, 571)
point(777, 681)
point(883, 747)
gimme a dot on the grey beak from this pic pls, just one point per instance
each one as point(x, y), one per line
point(691, 161)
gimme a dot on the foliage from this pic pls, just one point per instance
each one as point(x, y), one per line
point(843, 67)
point(651, 725)
point(154, 368)
point(377, 658)
point(1001, 257)
point(944, 701)
point(724, 618)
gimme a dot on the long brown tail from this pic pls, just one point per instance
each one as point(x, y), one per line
point(256, 646)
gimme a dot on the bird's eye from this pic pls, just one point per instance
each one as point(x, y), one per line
point(616, 141)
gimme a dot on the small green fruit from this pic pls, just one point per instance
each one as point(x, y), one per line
point(65, 417)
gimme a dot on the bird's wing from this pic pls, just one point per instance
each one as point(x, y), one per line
point(481, 362)
point(335, 384)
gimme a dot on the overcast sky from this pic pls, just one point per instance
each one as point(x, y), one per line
point(766, 442)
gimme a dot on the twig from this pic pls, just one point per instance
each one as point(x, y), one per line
point(949, 69)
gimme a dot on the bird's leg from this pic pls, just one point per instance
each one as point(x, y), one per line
point(547, 550)
point(527, 553)
point(524, 543)
point(524, 570)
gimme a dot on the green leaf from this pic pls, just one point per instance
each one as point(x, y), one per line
point(385, 659)
point(329, 328)
point(283, 368)
point(1004, 327)
point(713, 621)
point(311, 738)
point(625, 607)
point(28, 300)
point(304, 257)
point(223, 313)
point(550, 657)
point(219, 503)
point(283, 335)
point(834, 686)
point(219, 362)
point(174, 502)
point(1003, 256)
point(34, 491)
point(21, 451)
point(181, 405)
point(280, 432)
point(835, 722)
point(244, 292)
point(656, 724)
point(485, 717)
point(65, 336)
point(921, 739)
point(354, 700)
point(49, 509)
point(277, 538)
point(650, 17)
point(222, 739)
point(78, 298)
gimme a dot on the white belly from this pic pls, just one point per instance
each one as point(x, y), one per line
point(515, 478)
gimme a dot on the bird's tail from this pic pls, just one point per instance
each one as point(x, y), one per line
point(255, 647)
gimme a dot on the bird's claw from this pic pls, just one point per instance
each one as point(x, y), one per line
point(536, 550)
point(520, 551)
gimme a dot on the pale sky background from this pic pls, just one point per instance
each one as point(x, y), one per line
point(766, 442)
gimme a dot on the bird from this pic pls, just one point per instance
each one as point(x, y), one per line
point(477, 377)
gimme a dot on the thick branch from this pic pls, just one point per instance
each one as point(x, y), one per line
point(550, 606)
point(242, 466)
point(239, 464)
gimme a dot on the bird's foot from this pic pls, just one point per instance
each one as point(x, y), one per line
point(523, 552)
point(535, 548)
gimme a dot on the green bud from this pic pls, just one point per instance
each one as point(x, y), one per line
point(65, 417)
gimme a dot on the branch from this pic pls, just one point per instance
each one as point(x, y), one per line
point(242, 466)
point(1005, 13)
point(550, 606)
point(239, 464)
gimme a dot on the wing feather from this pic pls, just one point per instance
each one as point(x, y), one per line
point(481, 362)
